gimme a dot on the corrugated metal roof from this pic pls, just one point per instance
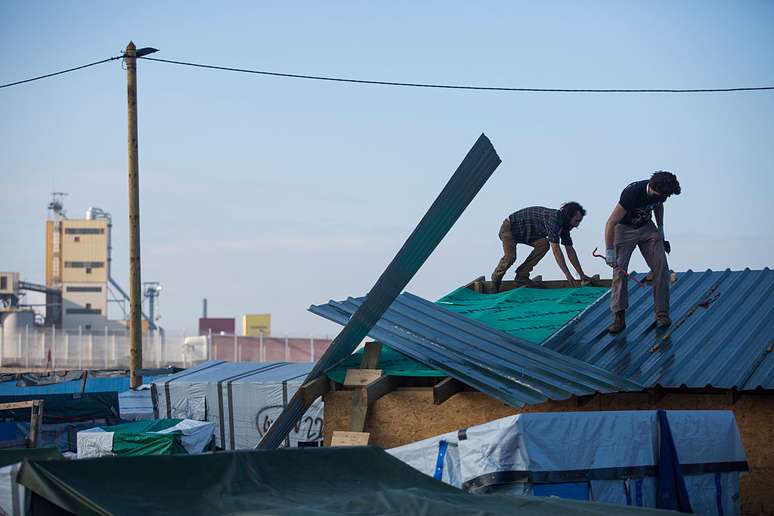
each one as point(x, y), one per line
point(509, 369)
point(727, 344)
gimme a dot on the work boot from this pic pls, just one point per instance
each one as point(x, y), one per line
point(663, 320)
point(523, 281)
point(619, 323)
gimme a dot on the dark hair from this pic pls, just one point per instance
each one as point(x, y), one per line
point(569, 209)
point(665, 183)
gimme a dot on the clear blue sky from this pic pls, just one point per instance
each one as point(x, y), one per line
point(267, 194)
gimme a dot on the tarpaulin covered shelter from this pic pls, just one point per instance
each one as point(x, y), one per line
point(242, 399)
point(156, 437)
point(613, 457)
point(13, 499)
point(319, 481)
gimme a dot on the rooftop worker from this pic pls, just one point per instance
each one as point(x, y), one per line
point(630, 226)
point(539, 227)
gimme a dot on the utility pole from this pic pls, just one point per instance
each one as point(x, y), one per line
point(135, 296)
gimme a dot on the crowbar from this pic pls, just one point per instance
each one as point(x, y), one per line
point(617, 268)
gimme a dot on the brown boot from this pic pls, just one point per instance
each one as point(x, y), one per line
point(663, 320)
point(619, 323)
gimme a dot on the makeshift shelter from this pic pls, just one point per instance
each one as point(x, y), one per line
point(319, 481)
point(13, 499)
point(614, 457)
point(242, 400)
point(156, 437)
point(715, 356)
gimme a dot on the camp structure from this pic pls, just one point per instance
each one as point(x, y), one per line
point(476, 367)
point(72, 401)
point(319, 481)
point(156, 437)
point(241, 399)
point(617, 457)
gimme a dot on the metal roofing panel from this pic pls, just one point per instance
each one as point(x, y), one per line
point(727, 344)
point(476, 168)
point(509, 369)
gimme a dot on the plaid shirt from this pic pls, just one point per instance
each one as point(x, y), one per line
point(530, 224)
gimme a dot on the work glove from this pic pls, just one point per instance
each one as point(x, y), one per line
point(667, 246)
point(610, 257)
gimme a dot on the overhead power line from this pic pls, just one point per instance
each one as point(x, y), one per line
point(405, 84)
point(60, 72)
point(456, 86)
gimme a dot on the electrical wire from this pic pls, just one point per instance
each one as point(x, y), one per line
point(60, 72)
point(453, 86)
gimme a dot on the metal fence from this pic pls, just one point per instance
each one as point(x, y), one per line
point(34, 347)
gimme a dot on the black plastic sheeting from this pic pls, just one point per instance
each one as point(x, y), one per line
point(67, 408)
point(474, 171)
point(321, 481)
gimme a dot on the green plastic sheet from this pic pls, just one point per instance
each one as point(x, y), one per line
point(532, 314)
point(528, 313)
point(136, 439)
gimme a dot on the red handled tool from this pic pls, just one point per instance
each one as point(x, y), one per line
point(617, 268)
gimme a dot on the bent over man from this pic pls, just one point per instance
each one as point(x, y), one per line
point(630, 226)
point(540, 228)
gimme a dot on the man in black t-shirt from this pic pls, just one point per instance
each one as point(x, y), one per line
point(540, 228)
point(630, 226)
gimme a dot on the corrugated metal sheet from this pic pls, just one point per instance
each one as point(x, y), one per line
point(509, 369)
point(727, 344)
point(475, 169)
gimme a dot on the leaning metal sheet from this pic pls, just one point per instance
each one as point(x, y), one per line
point(479, 164)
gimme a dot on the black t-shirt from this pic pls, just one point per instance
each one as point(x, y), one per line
point(638, 204)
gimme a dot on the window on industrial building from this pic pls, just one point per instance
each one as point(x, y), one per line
point(76, 239)
point(88, 305)
point(82, 265)
point(85, 231)
point(88, 270)
point(83, 311)
point(83, 289)
point(3, 282)
point(87, 327)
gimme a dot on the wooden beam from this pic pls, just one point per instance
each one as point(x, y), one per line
point(35, 419)
point(314, 389)
point(359, 410)
point(447, 388)
point(380, 387)
point(371, 355)
point(582, 401)
point(18, 405)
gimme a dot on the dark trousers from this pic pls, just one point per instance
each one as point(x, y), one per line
point(651, 245)
point(539, 250)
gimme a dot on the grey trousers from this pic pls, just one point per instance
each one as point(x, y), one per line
point(648, 239)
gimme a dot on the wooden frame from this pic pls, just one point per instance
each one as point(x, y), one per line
point(36, 417)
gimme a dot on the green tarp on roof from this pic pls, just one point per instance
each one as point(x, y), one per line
point(319, 481)
point(532, 314)
point(528, 313)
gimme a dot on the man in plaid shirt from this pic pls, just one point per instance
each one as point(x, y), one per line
point(540, 228)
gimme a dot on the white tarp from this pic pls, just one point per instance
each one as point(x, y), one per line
point(495, 454)
point(196, 434)
point(12, 495)
point(94, 442)
point(242, 399)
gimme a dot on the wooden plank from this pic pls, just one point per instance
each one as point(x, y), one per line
point(371, 355)
point(380, 387)
point(314, 389)
point(17, 405)
point(359, 410)
point(361, 377)
point(35, 420)
point(342, 438)
point(447, 388)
